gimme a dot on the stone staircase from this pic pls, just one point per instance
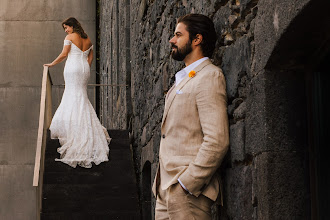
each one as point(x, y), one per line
point(107, 191)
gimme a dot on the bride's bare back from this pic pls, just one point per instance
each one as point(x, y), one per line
point(81, 43)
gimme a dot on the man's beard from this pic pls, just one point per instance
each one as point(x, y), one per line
point(181, 53)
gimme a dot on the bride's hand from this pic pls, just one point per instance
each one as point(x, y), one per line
point(48, 64)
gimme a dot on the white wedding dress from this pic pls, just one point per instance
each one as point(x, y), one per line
point(82, 137)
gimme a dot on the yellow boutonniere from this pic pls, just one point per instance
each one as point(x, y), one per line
point(192, 73)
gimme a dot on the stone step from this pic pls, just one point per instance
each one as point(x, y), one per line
point(115, 175)
point(106, 215)
point(120, 154)
point(76, 191)
point(89, 205)
point(112, 167)
point(118, 134)
point(105, 191)
point(119, 144)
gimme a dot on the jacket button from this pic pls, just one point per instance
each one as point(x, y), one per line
point(163, 135)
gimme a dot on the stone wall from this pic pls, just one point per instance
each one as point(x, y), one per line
point(114, 66)
point(31, 35)
point(265, 173)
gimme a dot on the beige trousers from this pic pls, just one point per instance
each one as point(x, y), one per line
point(175, 204)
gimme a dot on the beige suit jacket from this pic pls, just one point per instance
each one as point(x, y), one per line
point(194, 131)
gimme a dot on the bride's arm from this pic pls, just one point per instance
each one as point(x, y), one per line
point(62, 56)
point(90, 57)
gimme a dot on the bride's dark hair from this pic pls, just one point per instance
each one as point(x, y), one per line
point(72, 22)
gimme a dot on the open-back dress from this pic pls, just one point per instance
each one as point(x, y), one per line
point(82, 137)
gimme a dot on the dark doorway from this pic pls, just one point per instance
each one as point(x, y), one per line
point(319, 132)
point(304, 48)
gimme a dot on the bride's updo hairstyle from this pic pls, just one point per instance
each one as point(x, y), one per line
point(72, 22)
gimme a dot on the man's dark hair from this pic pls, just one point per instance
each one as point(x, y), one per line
point(203, 25)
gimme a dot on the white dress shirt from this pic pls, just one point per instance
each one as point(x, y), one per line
point(184, 72)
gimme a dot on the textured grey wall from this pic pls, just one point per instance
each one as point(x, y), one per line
point(115, 105)
point(31, 35)
point(266, 103)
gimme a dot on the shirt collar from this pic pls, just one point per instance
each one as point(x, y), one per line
point(184, 72)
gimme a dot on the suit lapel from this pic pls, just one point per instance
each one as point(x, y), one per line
point(172, 94)
point(170, 98)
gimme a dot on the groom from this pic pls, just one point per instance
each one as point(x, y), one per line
point(194, 129)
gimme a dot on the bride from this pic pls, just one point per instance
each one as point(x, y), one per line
point(82, 137)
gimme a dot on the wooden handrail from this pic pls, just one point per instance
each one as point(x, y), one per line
point(45, 115)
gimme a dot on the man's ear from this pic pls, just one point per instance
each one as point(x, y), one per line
point(198, 40)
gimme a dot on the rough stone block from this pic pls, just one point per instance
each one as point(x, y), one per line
point(144, 136)
point(280, 185)
point(276, 119)
point(235, 103)
point(237, 139)
point(236, 63)
point(238, 193)
point(240, 112)
point(17, 191)
point(286, 109)
point(147, 154)
point(255, 121)
point(268, 29)
point(220, 20)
